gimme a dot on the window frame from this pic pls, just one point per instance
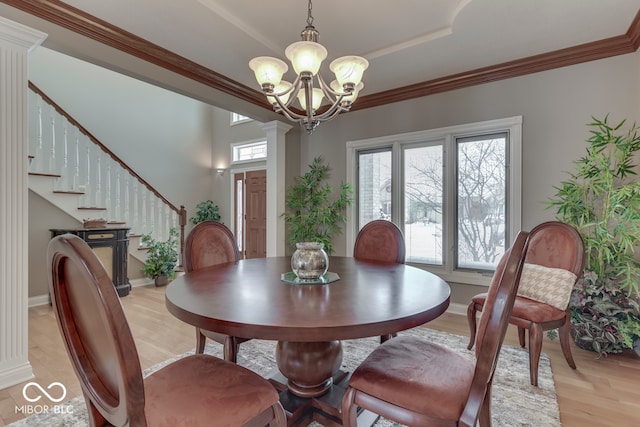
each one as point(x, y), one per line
point(237, 118)
point(448, 271)
point(236, 146)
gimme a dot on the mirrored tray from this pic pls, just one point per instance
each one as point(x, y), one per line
point(328, 277)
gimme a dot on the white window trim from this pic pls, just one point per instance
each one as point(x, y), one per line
point(235, 145)
point(233, 122)
point(511, 124)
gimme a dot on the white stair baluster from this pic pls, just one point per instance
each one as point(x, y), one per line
point(38, 164)
point(167, 217)
point(145, 227)
point(136, 223)
point(116, 209)
point(126, 215)
point(53, 166)
point(88, 189)
point(107, 192)
point(159, 225)
point(75, 183)
point(152, 214)
point(98, 181)
point(63, 181)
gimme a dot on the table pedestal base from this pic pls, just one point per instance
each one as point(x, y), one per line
point(309, 366)
point(324, 409)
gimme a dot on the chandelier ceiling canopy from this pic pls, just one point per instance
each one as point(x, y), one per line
point(306, 56)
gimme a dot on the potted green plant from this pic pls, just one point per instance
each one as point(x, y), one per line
point(602, 201)
point(206, 211)
point(312, 216)
point(162, 257)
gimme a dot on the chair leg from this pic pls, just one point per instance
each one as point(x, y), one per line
point(280, 416)
point(535, 347)
point(387, 337)
point(231, 349)
point(471, 318)
point(200, 341)
point(95, 417)
point(484, 418)
point(521, 333)
point(349, 409)
point(563, 333)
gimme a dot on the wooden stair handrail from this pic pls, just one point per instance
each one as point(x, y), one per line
point(182, 213)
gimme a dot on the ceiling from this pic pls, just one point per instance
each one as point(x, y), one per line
point(407, 42)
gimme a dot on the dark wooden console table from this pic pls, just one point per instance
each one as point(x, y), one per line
point(111, 245)
point(248, 299)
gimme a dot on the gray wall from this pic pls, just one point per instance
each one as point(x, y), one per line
point(555, 106)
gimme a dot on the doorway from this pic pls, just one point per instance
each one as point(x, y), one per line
point(250, 213)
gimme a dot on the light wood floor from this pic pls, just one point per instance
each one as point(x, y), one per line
point(599, 393)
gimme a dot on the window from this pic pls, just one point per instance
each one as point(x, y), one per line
point(238, 118)
point(248, 151)
point(454, 192)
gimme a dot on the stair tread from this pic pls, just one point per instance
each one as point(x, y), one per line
point(67, 192)
point(53, 175)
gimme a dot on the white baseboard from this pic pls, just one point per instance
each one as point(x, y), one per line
point(15, 375)
point(457, 308)
point(141, 282)
point(39, 300)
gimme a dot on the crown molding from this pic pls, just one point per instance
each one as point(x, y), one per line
point(87, 25)
point(613, 46)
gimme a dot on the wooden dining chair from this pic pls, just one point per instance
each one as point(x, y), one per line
point(420, 383)
point(212, 243)
point(380, 241)
point(197, 390)
point(554, 263)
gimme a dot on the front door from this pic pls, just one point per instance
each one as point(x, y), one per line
point(251, 227)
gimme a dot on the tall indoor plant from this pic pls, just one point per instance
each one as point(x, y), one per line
point(601, 199)
point(311, 214)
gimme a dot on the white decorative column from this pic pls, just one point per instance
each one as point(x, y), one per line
point(276, 237)
point(16, 41)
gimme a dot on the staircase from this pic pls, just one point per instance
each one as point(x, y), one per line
point(74, 171)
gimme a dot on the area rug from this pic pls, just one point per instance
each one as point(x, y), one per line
point(515, 401)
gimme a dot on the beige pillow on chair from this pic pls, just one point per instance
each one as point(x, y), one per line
point(548, 285)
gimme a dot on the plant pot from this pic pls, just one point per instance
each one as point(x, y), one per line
point(580, 342)
point(162, 280)
point(309, 261)
point(636, 347)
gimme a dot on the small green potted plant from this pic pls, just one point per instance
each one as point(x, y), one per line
point(162, 257)
point(206, 211)
point(602, 201)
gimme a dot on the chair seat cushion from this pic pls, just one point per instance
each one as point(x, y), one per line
point(203, 390)
point(528, 309)
point(420, 376)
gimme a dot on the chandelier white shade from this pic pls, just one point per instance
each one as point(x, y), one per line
point(306, 57)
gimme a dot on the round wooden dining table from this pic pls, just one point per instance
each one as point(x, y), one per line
point(250, 299)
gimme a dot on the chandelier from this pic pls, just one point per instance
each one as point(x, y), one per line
point(306, 56)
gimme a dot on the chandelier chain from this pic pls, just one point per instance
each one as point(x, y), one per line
point(309, 16)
